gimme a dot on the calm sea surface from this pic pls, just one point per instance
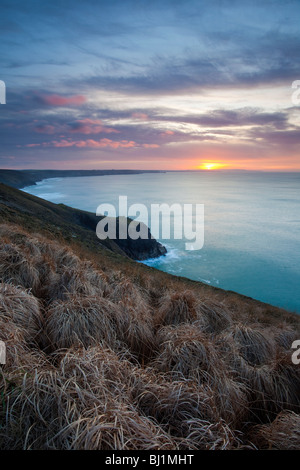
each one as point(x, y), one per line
point(252, 225)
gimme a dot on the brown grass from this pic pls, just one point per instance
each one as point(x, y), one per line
point(255, 346)
point(176, 308)
point(282, 434)
point(100, 357)
point(21, 309)
point(16, 267)
point(214, 316)
point(185, 350)
point(82, 321)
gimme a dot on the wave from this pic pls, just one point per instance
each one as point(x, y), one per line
point(51, 196)
point(173, 254)
point(214, 281)
point(206, 281)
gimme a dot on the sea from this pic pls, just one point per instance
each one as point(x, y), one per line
point(251, 224)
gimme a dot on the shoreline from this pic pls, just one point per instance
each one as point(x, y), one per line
point(20, 179)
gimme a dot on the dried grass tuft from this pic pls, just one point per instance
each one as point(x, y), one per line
point(185, 350)
point(176, 308)
point(205, 435)
point(172, 402)
point(17, 268)
point(22, 309)
point(282, 434)
point(214, 316)
point(82, 321)
point(254, 345)
point(135, 329)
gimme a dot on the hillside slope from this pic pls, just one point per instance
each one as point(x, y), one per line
point(60, 220)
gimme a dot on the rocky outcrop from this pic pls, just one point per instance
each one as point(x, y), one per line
point(142, 249)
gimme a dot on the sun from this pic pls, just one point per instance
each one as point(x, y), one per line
point(210, 166)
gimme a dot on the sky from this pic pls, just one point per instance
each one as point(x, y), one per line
point(160, 84)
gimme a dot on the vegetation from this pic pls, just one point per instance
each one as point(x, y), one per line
point(106, 353)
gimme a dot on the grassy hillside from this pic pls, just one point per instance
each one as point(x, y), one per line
point(106, 353)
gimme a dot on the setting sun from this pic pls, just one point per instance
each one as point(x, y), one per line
point(210, 166)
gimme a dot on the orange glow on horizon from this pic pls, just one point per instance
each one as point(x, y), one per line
point(210, 166)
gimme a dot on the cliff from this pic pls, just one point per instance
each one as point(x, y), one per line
point(69, 223)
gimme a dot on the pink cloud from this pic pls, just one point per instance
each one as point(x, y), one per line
point(166, 133)
point(81, 126)
point(58, 100)
point(94, 144)
point(90, 143)
point(61, 143)
point(90, 126)
point(141, 116)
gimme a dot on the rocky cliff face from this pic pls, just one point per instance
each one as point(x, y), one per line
point(142, 249)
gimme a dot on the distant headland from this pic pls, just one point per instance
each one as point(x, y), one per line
point(22, 178)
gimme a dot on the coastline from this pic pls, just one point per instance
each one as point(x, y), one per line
point(20, 179)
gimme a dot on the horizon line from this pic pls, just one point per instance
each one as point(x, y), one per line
point(157, 170)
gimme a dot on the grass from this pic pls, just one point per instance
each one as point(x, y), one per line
point(104, 353)
point(281, 434)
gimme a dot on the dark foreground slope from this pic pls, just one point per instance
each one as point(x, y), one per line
point(106, 353)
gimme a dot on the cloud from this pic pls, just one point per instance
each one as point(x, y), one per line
point(140, 116)
point(145, 76)
point(92, 144)
point(58, 100)
point(232, 118)
point(150, 146)
point(44, 129)
point(282, 139)
point(167, 133)
point(89, 143)
point(90, 126)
